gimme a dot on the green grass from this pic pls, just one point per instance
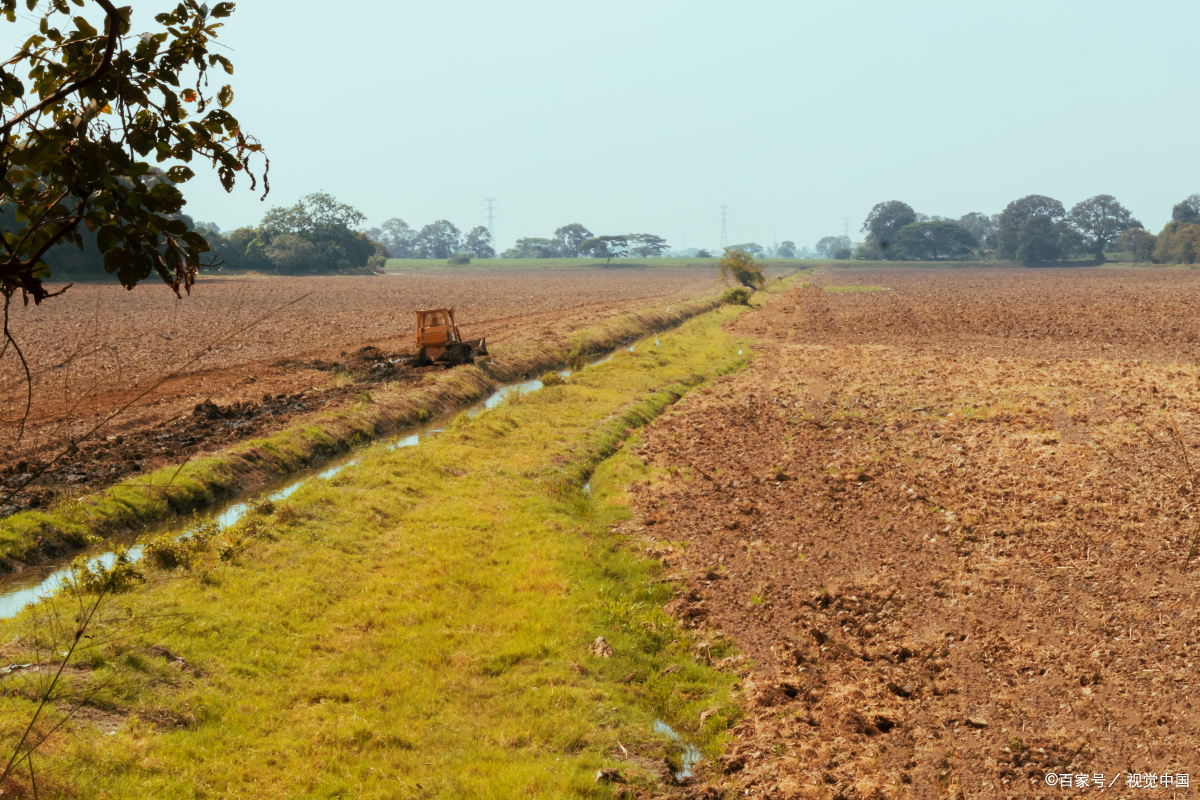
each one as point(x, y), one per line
point(415, 627)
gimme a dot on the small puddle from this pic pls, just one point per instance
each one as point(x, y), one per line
point(691, 753)
point(31, 585)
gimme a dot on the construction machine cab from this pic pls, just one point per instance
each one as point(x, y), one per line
point(438, 339)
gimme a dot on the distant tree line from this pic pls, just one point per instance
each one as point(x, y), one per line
point(1034, 228)
point(575, 241)
point(441, 240)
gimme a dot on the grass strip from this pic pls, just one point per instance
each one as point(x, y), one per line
point(417, 626)
point(33, 535)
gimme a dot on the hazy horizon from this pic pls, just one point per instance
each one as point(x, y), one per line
point(650, 117)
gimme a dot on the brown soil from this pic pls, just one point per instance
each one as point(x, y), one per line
point(98, 348)
point(953, 557)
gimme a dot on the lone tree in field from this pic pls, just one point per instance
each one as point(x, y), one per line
point(787, 249)
point(647, 245)
point(741, 267)
point(93, 103)
point(1100, 220)
point(606, 247)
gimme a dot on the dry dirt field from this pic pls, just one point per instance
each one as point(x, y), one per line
point(948, 525)
point(98, 347)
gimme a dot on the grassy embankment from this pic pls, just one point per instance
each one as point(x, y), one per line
point(415, 627)
point(32, 535)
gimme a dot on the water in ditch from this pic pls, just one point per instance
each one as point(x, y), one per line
point(29, 586)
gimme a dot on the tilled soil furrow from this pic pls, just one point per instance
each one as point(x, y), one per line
point(952, 575)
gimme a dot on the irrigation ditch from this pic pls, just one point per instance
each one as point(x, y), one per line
point(32, 539)
point(30, 585)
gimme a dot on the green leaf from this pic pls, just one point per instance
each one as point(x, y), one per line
point(222, 10)
point(85, 27)
point(107, 240)
point(225, 96)
point(179, 174)
point(196, 242)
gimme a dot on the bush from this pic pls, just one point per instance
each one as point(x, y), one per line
point(1178, 243)
point(737, 296)
point(741, 266)
point(552, 378)
point(170, 552)
point(89, 576)
point(459, 259)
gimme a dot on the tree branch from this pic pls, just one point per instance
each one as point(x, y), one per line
point(114, 31)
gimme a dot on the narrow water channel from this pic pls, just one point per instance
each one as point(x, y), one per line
point(31, 585)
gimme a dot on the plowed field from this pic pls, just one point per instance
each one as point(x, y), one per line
point(99, 347)
point(949, 524)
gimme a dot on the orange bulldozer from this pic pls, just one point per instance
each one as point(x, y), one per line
point(438, 340)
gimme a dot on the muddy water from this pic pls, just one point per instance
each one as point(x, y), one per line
point(30, 586)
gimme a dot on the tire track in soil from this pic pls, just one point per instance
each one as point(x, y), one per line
point(962, 577)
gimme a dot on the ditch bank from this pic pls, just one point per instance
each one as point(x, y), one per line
point(31, 537)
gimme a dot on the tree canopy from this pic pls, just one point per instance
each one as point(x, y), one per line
point(606, 247)
point(753, 248)
point(568, 238)
point(437, 240)
point(1179, 243)
point(76, 132)
point(646, 245)
point(1034, 228)
point(479, 243)
point(1138, 242)
point(828, 246)
point(396, 236)
point(1100, 220)
point(320, 220)
point(1187, 210)
point(980, 225)
point(933, 241)
point(885, 219)
point(787, 249)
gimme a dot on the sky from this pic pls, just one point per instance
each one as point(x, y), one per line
point(633, 117)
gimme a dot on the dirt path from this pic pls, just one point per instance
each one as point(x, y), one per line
point(955, 569)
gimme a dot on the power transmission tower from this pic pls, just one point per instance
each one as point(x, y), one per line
point(491, 216)
point(724, 227)
point(846, 226)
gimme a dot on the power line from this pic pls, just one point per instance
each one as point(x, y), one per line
point(724, 227)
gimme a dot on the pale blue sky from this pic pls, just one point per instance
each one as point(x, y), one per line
point(647, 116)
